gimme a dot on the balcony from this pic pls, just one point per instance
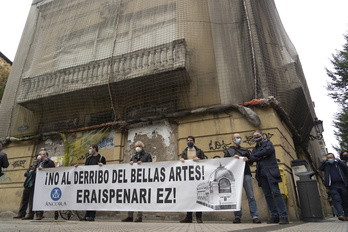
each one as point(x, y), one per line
point(64, 84)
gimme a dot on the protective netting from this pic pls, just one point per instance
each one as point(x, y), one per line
point(82, 63)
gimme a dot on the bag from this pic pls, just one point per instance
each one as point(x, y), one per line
point(30, 181)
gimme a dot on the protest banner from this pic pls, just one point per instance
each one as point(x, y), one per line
point(173, 186)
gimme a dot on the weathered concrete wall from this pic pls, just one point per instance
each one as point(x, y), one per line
point(160, 139)
point(20, 156)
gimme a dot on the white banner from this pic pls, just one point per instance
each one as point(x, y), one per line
point(173, 186)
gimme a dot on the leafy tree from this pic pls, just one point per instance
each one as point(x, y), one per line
point(4, 73)
point(337, 88)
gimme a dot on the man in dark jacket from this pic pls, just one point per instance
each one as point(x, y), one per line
point(45, 163)
point(344, 157)
point(268, 177)
point(28, 192)
point(94, 159)
point(139, 157)
point(237, 151)
point(192, 152)
point(336, 180)
point(3, 160)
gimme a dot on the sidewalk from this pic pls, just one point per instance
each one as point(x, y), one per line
point(105, 224)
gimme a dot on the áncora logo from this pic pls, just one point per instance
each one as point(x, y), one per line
point(56, 194)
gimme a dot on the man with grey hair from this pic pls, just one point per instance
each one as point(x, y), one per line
point(3, 160)
point(237, 151)
point(139, 156)
point(45, 163)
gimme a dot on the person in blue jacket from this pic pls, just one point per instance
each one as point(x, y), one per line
point(268, 177)
point(337, 182)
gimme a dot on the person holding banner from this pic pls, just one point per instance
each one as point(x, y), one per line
point(139, 157)
point(3, 160)
point(28, 192)
point(94, 159)
point(45, 163)
point(192, 152)
point(237, 151)
point(268, 177)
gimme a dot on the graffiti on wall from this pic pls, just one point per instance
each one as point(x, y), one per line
point(222, 145)
point(18, 163)
point(106, 142)
point(4, 178)
point(216, 145)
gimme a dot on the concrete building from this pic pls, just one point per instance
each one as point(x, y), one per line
point(115, 71)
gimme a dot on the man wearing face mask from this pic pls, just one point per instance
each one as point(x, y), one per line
point(45, 163)
point(337, 182)
point(139, 157)
point(94, 159)
point(268, 177)
point(192, 152)
point(237, 151)
point(344, 157)
point(28, 192)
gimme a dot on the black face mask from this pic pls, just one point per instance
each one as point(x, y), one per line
point(345, 157)
point(257, 139)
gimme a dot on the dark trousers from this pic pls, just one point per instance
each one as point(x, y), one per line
point(27, 199)
point(90, 214)
point(339, 194)
point(189, 215)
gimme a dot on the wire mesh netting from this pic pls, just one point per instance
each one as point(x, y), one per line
point(82, 63)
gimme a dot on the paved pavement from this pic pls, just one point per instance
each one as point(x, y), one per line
point(106, 224)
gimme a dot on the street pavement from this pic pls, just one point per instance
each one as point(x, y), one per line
point(108, 224)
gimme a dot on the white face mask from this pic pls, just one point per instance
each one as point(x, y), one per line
point(39, 158)
point(138, 149)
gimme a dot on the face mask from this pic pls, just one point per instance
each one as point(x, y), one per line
point(35, 162)
point(39, 158)
point(138, 149)
point(331, 161)
point(257, 139)
point(90, 152)
point(190, 144)
point(238, 141)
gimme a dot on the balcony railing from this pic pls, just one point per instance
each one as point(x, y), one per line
point(141, 63)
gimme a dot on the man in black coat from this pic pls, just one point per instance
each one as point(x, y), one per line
point(139, 157)
point(3, 160)
point(268, 177)
point(94, 159)
point(337, 182)
point(192, 152)
point(28, 192)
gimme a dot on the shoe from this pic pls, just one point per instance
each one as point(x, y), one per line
point(186, 220)
point(90, 219)
point(236, 220)
point(127, 219)
point(38, 217)
point(342, 218)
point(18, 217)
point(139, 219)
point(256, 221)
point(199, 220)
point(273, 220)
point(283, 220)
point(28, 218)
